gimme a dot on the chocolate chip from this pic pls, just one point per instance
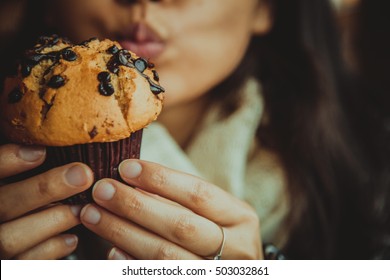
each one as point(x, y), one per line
point(126, 53)
point(69, 55)
point(104, 77)
point(25, 69)
point(55, 40)
point(122, 59)
point(156, 77)
point(43, 40)
point(48, 40)
point(114, 70)
point(156, 89)
point(15, 96)
point(113, 50)
point(106, 89)
point(56, 81)
point(141, 64)
point(93, 132)
point(35, 58)
point(113, 66)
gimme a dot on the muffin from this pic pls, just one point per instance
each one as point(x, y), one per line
point(86, 102)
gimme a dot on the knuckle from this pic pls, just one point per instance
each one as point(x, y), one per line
point(184, 229)
point(166, 252)
point(134, 204)
point(116, 232)
point(58, 216)
point(43, 186)
point(159, 177)
point(43, 189)
point(199, 195)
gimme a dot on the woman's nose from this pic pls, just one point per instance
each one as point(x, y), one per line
point(138, 7)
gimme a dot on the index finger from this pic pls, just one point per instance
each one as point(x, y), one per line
point(56, 184)
point(16, 159)
point(190, 191)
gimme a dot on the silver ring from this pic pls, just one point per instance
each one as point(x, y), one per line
point(218, 256)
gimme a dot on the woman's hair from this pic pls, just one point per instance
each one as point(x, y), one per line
point(371, 111)
point(300, 68)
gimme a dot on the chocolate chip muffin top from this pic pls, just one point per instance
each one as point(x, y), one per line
point(65, 94)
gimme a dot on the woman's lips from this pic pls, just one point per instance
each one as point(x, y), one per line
point(142, 40)
point(148, 49)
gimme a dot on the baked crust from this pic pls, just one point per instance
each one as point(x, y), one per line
point(61, 100)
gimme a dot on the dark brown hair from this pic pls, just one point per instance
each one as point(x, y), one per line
point(371, 119)
point(305, 88)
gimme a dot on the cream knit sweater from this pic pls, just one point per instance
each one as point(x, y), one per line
point(225, 153)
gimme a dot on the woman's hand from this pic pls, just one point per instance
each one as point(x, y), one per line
point(170, 215)
point(31, 225)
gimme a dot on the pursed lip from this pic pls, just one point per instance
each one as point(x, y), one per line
point(143, 41)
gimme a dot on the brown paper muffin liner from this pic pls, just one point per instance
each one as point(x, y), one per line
point(102, 158)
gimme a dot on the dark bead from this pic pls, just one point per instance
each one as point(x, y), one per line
point(25, 69)
point(56, 81)
point(141, 64)
point(69, 55)
point(15, 96)
point(104, 77)
point(106, 89)
point(113, 50)
point(156, 77)
point(151, 65)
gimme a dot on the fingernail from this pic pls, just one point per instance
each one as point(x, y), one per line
point(75, 210)
point(103, 190)
point(31, 153)
point(77, 176)
point(130, 169)
point(90, 215)
point(71, 240)
point(115, 254)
